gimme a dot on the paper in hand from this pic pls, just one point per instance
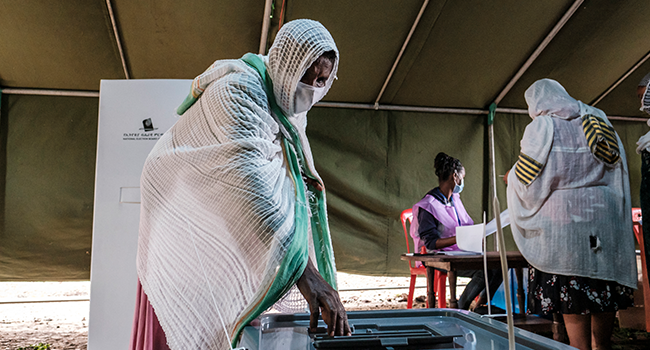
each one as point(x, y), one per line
point(470, 238)
point(491, 226)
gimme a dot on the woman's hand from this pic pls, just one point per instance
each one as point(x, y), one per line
point(323, 298)
point(314, 183)
point(505, 177)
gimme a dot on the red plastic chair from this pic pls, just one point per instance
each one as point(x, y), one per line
point(638, 232)
point(440, 278)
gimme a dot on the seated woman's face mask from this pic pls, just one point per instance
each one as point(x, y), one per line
point(307, 96)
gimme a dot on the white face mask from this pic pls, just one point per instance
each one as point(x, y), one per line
point(306, 96)
point(459, 188)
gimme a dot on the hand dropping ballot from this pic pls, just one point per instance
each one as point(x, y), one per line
point(470, 238)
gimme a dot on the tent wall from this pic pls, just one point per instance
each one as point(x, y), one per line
point(47, 159)
point(374, 163)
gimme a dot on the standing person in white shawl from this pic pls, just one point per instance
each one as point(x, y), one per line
point(570, 214)
point(233, 210)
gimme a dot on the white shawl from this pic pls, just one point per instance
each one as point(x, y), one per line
point(574, 217)
point(218, 200)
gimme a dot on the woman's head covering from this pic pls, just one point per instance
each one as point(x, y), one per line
point(548, 97)
point(296, 46)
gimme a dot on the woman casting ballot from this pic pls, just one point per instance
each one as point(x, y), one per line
point(436, 217)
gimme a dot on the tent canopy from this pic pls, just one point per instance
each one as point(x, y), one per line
point(458, 56)
point(436, 56)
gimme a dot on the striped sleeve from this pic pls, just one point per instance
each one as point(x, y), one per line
point(527, 169)
point(601, 139)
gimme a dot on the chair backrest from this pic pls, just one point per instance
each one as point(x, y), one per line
point(407, 217)
point(636, 220)
point(636, 215)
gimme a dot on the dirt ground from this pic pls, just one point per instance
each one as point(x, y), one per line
point(64, 325)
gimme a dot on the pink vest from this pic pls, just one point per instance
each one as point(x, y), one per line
point(445, 214)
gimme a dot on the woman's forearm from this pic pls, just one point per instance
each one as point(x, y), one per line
point(445, 242)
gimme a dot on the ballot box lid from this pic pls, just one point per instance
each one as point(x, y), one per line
point(392, 329)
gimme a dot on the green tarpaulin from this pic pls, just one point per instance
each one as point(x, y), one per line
point(375, 163)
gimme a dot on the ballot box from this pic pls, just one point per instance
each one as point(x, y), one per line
point(392, 330)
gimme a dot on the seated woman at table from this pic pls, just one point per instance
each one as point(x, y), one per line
point(436, 217)
point(570, 215)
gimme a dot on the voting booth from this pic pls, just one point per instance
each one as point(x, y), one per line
point(133, 114)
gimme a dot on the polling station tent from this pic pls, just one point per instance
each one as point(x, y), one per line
point(415, 78)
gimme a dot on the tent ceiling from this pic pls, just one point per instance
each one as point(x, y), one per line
point(180, 39)
point(459, 56)
point(57, 44)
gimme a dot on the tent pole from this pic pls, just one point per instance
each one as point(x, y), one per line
point(401, 51)
point(400, 108)
point(42, 92)
point(620, 80)
point(266, 24)
point(493, 166)
point(417, 109)
point(421, 109)
point(628, 119)
point(117, 38)
point(496, 209)
point(539, 49)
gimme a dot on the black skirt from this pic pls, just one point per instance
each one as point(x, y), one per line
point(550, 293)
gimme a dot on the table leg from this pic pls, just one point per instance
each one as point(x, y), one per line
point(521, 298)
point(559, 329)
point(431, 293)
point(451, 275)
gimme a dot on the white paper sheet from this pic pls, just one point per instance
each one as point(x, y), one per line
point(491, 226)
point(470, 238)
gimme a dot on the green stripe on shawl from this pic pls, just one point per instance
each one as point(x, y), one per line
point(187, 103)
point(195, 92)
point(601, 139)
point(295, 260)
point(198, 86)
point(527, 169)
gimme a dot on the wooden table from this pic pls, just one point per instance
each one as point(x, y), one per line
point(451, 263)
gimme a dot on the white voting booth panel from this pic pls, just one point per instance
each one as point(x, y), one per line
point(133, 114)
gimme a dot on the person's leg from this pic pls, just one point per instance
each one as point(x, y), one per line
point(495, 278)
point(473, 288)
point(602, 326)
point(578, 327)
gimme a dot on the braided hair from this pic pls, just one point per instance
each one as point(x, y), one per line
point(446, 165)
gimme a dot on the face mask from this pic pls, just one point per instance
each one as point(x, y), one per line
point(306, 97)
point(459, 188)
